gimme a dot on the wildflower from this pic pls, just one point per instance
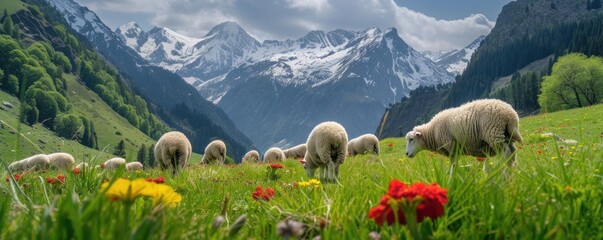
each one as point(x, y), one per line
point(276, 165)
point(272, 168)
point(314, 182)
point(425, 200)
point(159, 179)
point(61, 178)
point(261, 193)
point(304, 184)
point(163, 194)
point(480, 159)
point(237, 225)
point(76, 171)
point(126, 190)
point(390, 145)
point(16, 176)
point(539, 151)
point(51, 180)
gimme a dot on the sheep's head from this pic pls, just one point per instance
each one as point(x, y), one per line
point(414, 143)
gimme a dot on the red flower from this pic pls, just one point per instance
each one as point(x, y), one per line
point(17, 177)
point(76, 171)
point(480, 159)
point(432, 199)
point(276, 165)
point(265, 194)
point(61, 178)
point(159, 179)
point(390, 145)
point(51, 180)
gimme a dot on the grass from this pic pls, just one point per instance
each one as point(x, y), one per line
point(555, 191)
point(11, 6)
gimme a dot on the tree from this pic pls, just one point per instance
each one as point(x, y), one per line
point(576, 81)
point(7, 27)
point(151, 155)
point(69, 126)
point(120, 149)
point(142, 155)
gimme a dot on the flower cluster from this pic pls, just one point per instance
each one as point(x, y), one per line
point(58, 179)
point(310, 183)
point(159, 179)
point(271, 172)
point(426, 200)
point(128, 191)
point(264, 194)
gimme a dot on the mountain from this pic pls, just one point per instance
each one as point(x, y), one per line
point(165, 90)
point(456, 61)
point(277, 91)
point(527, 32)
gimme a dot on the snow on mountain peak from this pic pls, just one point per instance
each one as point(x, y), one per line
point(456, 61)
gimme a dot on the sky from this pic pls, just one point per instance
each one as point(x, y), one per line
point(424, 24)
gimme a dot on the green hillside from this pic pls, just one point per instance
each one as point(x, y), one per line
point(554, 192)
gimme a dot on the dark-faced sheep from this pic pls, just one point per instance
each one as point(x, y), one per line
point(481, 128)
point(173, 151)
point(214, 152)
point(274, 155)
point(326, 149)
point(367, 143)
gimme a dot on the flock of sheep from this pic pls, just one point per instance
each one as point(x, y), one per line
point(480, 128)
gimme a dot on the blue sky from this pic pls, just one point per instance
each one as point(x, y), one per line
point(423, 24)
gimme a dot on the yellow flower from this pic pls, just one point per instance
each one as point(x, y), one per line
point(303, 184)
point(314, 182)
point(163, 194)
point(125, 190)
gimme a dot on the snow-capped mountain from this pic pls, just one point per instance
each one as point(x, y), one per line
point(436, 55)
point(456, 61)
point(160, 87)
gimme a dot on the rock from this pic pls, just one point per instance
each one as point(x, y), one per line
point(7, 104)
point(42, 141)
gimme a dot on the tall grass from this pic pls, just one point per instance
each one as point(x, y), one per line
point(555, 191)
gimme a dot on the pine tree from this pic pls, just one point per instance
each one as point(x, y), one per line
point(7, 27)
point(142, 155)
point(120, 149)
point(151, 155)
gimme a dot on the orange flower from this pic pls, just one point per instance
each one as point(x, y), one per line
point(265, 194)
point(51, 180)
point(61, 178)
point(431, 199)
point(276, 165)
point(480, 159)
point(390, 145)
point(76, 171)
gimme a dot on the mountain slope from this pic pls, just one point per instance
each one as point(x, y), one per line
point(456, 61)
point(162, 88)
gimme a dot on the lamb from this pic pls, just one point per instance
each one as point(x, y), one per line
point(298, 151)
point(367, 143)
point(326, 149)
point(480, 128)
point(214, 152)
point(60, 160)
point(113, 163)
point(173, 150)
point(133, 166)
point(251, 156)
point(36, 162)
point(274, 154)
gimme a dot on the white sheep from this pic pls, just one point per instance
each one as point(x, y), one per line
point(82, 165)
point(367, 143)
point(133, 166)
point(173, 151)
point(113, 163)
point(273, 155)
point(214, 152)
point(36, 162)
point(251, 156)
point(61, 160)
point(480, 128)
point(296, 152)
point(17, 166)
point(326, 149)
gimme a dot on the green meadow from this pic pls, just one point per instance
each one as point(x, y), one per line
point(554, 192)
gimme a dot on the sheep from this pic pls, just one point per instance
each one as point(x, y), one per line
point(367, 143)
point(251, 156)
point(173, 150)
point(480, 128)
point(326, 149)
point(36, 162)
point(214, 152)
point(82, 165)
point(133, 166)
point(18, 166)
point(296, 152)
point(60, 160)
point(274, 154)
point(113, 163)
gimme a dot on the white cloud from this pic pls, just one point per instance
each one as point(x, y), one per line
point(291, 19)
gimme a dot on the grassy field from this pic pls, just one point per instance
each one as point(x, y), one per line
point(555, 191)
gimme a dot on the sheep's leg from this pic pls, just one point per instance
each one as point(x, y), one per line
point(510, 154)
point(310, 171)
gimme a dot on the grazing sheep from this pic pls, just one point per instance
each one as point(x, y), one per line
point(36, 162)
point(18, 166)
point(273, 155)
point(81, 165)
point(133, 166)
point(251, 156)
point(367, 143)
point(214, 152)
point(60, 160)
point(113, 163)
point(298, 151)
point(173, 150)
point(480, 128)
point(326, 149)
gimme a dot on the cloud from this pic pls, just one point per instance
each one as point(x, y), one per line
point(291, 19)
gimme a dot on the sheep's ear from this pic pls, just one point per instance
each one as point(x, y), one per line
point(418, 134)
